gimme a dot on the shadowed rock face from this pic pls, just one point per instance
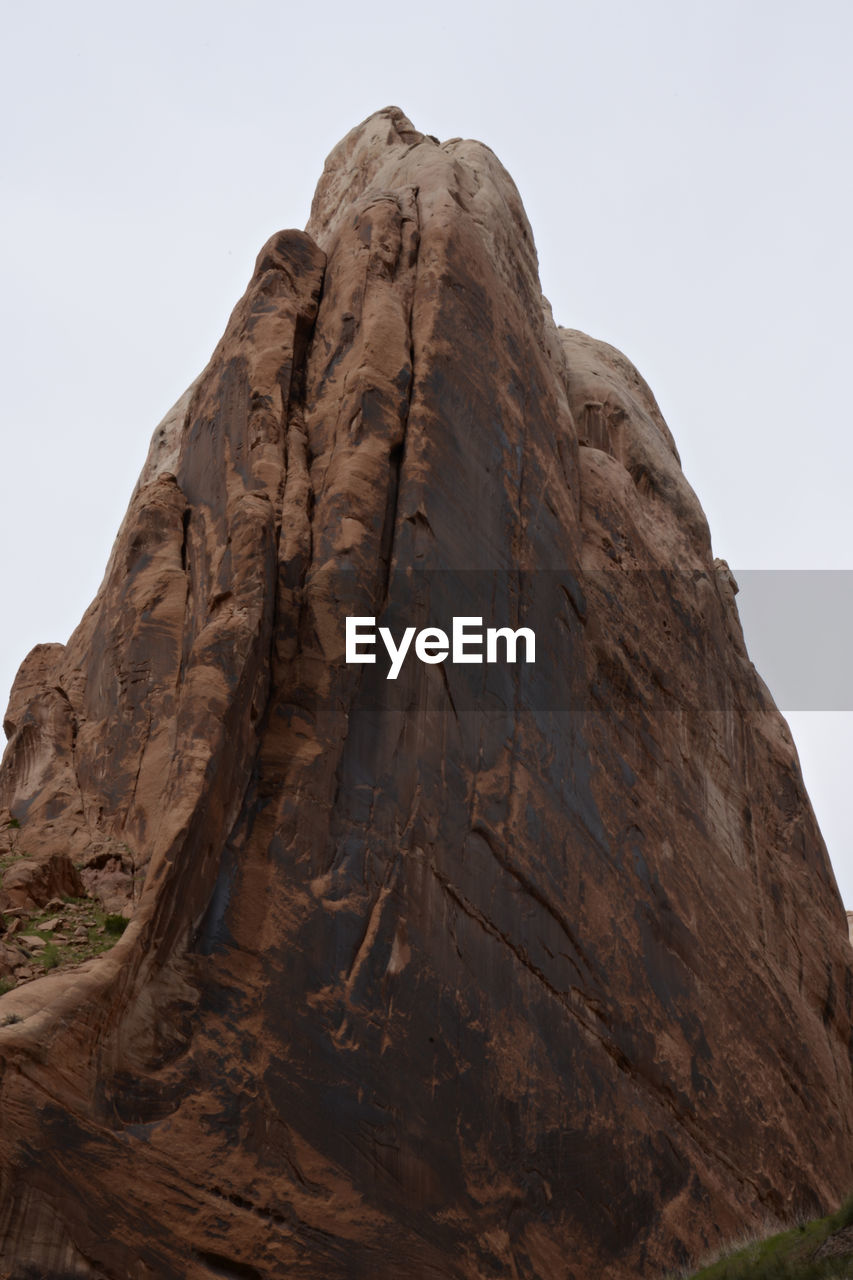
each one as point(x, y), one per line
point(512, 971)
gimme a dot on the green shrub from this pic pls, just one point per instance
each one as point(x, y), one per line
point(843, 1217)
point(116, 924)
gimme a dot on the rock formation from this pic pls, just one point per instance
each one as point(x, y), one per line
point(500, 971)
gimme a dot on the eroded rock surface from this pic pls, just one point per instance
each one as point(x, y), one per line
point(523, 971)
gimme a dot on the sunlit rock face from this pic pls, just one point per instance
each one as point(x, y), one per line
point(521, 970)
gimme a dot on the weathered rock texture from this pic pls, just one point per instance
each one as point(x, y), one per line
point(541, 976)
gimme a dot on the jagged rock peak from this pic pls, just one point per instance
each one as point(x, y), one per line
point(353, 164)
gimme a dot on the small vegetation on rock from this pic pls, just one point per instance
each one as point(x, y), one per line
point(65, 933)
point(818, 1250)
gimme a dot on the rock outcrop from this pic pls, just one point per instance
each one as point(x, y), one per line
point(511, 970)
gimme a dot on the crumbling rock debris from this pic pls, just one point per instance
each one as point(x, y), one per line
point(838, 1245)
point(528, 972)
point(109, 878)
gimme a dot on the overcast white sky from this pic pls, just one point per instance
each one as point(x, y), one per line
point(685, 164)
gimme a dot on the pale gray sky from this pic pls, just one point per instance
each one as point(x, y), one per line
point(685, 165)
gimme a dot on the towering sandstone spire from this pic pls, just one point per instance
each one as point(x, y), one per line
point(531, 970)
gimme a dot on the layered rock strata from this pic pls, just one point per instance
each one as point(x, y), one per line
point(524, 970)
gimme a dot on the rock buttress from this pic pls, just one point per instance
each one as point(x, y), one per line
point(539, 971)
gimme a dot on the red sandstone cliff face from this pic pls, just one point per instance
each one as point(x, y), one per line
point(531, 971)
